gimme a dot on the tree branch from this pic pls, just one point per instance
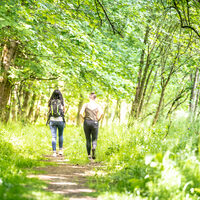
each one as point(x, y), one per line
point(43, 79)
point(109, 21)
point(181, 20)
point(98, 13)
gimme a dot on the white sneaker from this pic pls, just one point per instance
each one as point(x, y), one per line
point(60, 153)
point(54, 154)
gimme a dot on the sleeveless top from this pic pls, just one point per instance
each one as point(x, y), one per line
point(91, 114)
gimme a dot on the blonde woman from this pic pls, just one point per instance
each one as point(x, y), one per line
point(91, 112)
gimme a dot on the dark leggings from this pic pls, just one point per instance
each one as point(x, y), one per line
point(90, 129)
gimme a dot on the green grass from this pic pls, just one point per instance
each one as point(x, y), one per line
point(21, 150)
point(141, 164)
point(74, 145)
point(137, 162)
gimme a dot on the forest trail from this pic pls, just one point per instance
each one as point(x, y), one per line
point(67, 179)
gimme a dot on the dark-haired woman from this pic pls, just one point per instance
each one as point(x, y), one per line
point(56, 121)
point(91, 112)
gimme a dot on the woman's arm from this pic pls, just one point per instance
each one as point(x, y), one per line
point(64, 109)
point(82, 112)
point(100, 113)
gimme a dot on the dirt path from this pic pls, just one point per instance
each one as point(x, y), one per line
point(68, 180)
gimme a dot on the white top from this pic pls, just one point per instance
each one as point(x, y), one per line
point(57, 119)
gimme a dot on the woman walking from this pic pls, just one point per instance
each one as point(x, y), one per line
point(91, 113)
point(56, 120)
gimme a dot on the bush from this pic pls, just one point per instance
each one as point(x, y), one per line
point(21, 149)
point(141, 162)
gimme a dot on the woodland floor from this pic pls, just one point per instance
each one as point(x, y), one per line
point(66, 179)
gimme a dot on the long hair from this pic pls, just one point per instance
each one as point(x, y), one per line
point(56, 95)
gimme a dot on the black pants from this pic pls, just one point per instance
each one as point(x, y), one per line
point(91, 131)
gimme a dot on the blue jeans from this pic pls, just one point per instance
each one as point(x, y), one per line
point(54, 125)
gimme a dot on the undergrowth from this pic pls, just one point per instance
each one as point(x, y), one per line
point(149, 162)
point(22, 147)
point(138, 162)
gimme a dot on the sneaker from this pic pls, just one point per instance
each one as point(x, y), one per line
point(89, 157)
point(54, 154)
point(93, 154)
point(60, 152)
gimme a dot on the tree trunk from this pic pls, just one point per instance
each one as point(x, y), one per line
point(19, 99)
point(164, 83)
point(14, 100)
point(7, 110)
point(37, 111)
point(30, 113)
point(151, 89)
point(159, 106)
point(67, 106)
point(80, 104)
point(106, 112)
point(194, 95)
point(117, 110)
point(26, 95)
point(7, 58)
point(144, 92)
point(135, 104)
point(196, 103)
point(141, 92)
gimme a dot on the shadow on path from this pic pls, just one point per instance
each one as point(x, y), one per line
point(68, 180)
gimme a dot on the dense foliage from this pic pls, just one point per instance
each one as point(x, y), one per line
point(125, 51)
point(141, 58)
point(142, 163)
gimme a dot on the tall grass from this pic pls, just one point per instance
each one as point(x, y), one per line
point(139, 162)
point(150, 162)
point(21, 148)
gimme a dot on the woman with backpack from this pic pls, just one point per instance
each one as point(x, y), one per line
point(56, 120)
point(91, 113)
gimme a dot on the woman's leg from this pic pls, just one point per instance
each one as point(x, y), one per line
point(61, 126)
point(53, 128)
point(87, 136)
point(94, 138)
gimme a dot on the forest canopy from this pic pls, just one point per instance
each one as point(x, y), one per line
point(144, 53)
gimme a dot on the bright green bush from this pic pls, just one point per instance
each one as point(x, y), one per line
point(22, 147)
point(150, 163)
